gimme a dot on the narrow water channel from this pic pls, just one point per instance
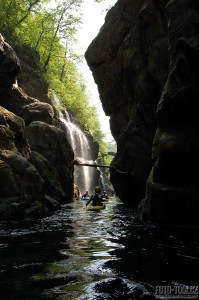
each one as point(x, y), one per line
point(107, 254)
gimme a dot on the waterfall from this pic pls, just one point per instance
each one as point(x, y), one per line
point(84, 177)
point(102, 181)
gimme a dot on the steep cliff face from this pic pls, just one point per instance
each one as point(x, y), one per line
point(35, 156)
point(145, 63)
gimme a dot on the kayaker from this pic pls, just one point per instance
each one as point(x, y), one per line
point(105, 195)
point(85, 195)
point(96, 198)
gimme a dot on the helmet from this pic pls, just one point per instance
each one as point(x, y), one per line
point(97, 189)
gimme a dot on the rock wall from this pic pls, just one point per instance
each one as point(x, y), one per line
point(145, 62)
point(36, 174)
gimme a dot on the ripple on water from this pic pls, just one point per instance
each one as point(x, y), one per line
point(78, 254)
point(117, 288)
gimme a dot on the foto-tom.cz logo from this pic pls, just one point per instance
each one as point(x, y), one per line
point(176, 291)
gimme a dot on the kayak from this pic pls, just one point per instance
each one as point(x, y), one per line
point(85, 198)
point(91, 207)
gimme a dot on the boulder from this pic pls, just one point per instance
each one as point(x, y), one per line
point(50, 176)
point(15, 99)
point(32, 79)
point(37, 111)
point(21, 187)
point(52, 143)
point(10, 65)
point(51, 203)
point(76, 193)
point(12, 136)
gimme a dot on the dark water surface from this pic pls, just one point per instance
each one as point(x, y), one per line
point(109, 254)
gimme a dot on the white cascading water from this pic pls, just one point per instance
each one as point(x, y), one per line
point(79, 142)
point(102, 180)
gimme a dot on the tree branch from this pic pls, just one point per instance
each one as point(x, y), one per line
point(76, 163)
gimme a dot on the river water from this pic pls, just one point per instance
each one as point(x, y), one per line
point(107, 254)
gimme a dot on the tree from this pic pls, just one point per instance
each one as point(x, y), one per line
point(51, 31)
point(14, 12)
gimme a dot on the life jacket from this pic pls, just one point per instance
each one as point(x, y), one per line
point(96, 200)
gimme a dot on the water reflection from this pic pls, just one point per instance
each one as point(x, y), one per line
point(79, 254)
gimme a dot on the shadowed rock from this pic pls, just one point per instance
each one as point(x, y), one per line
point(145, 62)
point(9, 63)
point(30, 184)
point(50, 176)
point(52, 143)
point(12, 135)
point(125, 59)
point(21, 188)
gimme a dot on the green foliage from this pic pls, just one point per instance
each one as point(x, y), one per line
point(14, 12)
point(50, 31)
point(106, 154)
